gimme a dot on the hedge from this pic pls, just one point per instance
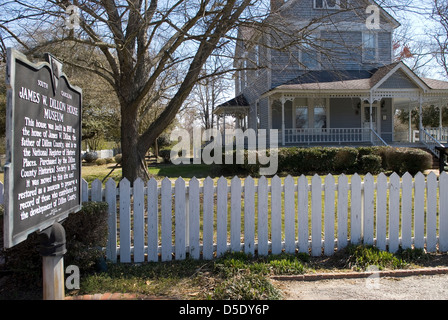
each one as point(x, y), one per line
point(347, 160)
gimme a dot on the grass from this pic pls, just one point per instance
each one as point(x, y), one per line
point(238, 276)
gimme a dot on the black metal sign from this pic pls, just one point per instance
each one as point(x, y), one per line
point(43, 148)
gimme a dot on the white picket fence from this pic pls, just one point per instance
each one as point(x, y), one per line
point(161, 220)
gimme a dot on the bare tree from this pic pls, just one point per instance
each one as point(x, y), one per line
point(140, 41)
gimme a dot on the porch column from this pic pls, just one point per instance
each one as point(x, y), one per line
point(420, 111)
point(283, 120)
point(224, 125)
point(440, 114)
point(411, 137)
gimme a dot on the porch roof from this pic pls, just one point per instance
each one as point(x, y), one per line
point(361, 82)
point(235, 106)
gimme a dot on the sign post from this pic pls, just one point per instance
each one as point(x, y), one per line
point(43, 156)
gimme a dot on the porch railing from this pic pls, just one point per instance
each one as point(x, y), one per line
point(430, 142)
point(377, 140)
point(439, 133)
point(327, 135)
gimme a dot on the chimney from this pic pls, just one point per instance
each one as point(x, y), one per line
point(276, 4)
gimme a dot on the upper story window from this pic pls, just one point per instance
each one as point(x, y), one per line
point(327, 4)
point(369, 47)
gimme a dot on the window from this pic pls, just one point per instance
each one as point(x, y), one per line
point(369, 47)
point(310, 56)
point(319, 114)
point(301, 117)
point(327, 4)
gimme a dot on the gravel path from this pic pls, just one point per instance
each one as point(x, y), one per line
point(418, 287)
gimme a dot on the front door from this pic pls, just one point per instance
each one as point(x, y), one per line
point(366, 119)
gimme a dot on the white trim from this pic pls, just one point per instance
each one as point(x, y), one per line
point(423, 86)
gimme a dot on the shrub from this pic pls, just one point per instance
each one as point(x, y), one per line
point(90, 157)
point(407, 160)
point(371, 164)
point(86, 234)
point(100, 162)
point(110, 160)
point(118, 158)
point(165, 154)
point(345, 160)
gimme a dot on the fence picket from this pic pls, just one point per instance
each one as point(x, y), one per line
point(316, 216)
point(96, 190)
point(208, 219)
point(111, 199)
point(381, 211)
point(419, 211)
point(125, 221)
point(368, 221)
point(355, 210)
point(329, 215)
point(235, 214)
point(290, 236)
point(221, 212)
point(194, 213)
point(342, 211)
point(431, 213)
point(302, 208)
point(249, 215)
point(166, 217)
point(276, 215)
point(443, 214)
point(394, 213)
point(406, 212)
point(153, 220)
point(84, 191)
point(139, 221)
point(180, 216)
point(263, 216)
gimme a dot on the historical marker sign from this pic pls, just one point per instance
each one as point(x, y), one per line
point(43, 157)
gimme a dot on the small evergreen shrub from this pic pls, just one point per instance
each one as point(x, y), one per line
point(118, 158)
point(86, 233)
point(90, 157)
point(100, 162)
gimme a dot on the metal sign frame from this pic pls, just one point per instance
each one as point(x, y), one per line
point(14, 232)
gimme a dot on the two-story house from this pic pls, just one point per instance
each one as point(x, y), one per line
point(323, 72)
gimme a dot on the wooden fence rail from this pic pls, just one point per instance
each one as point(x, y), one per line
point(161, 220)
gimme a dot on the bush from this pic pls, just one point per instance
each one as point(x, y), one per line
point(90, 157)
point(100, 162)
point(345, 160)
point(110, 160)
point(371, 164)
point(86, 234)
point(118, 158)
point(165, 154)
point(407, 160)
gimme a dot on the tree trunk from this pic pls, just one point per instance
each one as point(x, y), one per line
point(133, 161)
